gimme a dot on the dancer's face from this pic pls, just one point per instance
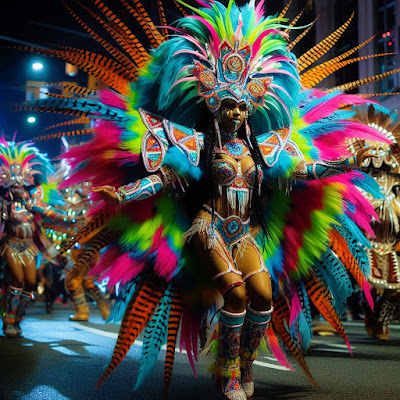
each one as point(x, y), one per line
point(232, 115)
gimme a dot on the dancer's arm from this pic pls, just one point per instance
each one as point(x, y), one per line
point(139, 190)
point(39, 206)
point(309, 170)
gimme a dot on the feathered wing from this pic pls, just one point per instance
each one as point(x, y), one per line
point(143, 240)
point(317, 247)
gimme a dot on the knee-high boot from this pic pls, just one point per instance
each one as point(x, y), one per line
point(26, 298)
point(12, 301)
point(228, 363)
point(74, 285)
point(254, 327)
point(81, 306)
point(385, 316)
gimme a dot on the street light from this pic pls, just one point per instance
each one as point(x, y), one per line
point(31, 120)
point(37, 66)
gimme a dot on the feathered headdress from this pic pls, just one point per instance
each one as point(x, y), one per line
point(22, 163)
point(387, 155)
point(219, 53)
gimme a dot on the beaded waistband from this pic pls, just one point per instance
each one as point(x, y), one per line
point(232, 229)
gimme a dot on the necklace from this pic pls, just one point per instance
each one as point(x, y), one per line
point(235, 149)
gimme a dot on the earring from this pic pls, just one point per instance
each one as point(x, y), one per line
point(248, 132)
point(217, 131)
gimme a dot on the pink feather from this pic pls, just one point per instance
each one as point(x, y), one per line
point(278, 71)
point(204, 4)
point(189, 39)
point(215, 42)
point(333, 144)
point(192, 52)
point(295, 306)
point(366, 288)
point(27, 159)
point(112, 99)
point(166, 260)
point(276, 59)
point(187, 79)
point(5, 161)
point(259, 11)
point(257, 43)
point(326, 108)
point(363, 208)
point(106, 260)
point(276, 349)
point(123, 270)
point(187, 339)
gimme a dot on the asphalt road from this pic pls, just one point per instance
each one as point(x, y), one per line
point(61, 360)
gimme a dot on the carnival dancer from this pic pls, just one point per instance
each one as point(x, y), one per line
point(226, 182)
point(383, 254)
point(24, 192)
point(78, 282)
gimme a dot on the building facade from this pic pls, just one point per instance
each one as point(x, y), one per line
point(371, 17)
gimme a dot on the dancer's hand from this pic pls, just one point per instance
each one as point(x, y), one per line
point(107, 193)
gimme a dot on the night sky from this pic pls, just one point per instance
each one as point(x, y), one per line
point(35, 22)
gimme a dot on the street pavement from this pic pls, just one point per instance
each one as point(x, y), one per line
point(62, 360)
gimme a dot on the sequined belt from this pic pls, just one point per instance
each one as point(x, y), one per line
point(232, 229)
point(19, 244)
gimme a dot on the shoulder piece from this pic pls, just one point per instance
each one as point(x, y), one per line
point(272, 143)
point(160, 132)
point(293, 150)
point(154, 142)
point(186, 139)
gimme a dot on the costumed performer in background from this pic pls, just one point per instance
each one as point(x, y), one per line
point(24, 192)
point(383, 254)
point(78, 282)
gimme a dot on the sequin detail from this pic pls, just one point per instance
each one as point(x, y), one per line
point(228, 173)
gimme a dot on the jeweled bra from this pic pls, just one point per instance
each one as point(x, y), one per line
point(239, 184)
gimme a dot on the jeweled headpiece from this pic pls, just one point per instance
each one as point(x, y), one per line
point(231, 78)
point(223, 53)
point(21, 164)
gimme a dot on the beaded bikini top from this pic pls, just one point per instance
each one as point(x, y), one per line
point(228, 173)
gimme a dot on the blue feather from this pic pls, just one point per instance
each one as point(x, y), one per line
point(55, 199)
point(178, 160)
point(334, 274)
point(311, 103)
point(305, 320)
point(318, 129)
point(281, 168)
point(119, 308)
point(353, 231)
point(154, 336)
point(368, 184)
point(338, 115)
point(356, 248)
point(380, 108)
